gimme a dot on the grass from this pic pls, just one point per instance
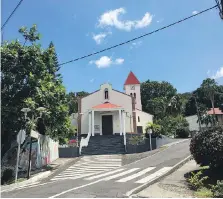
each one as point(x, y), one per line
point(13, 181)
point(203, 193)
point(163, 147)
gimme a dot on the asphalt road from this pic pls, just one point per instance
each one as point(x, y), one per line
point(100, 181)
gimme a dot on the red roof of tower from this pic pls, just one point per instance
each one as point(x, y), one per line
point(131, 79)
point(106, 105)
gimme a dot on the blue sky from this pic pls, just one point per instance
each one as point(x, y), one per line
point(183, 55)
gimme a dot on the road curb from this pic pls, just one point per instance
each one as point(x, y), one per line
point(141, 187)
point(35, 178)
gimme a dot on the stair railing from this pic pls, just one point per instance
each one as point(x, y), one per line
point(124, 133)
point(84, 142)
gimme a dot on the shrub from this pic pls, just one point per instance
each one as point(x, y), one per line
point(218, 189)
point(196, 181)
point(7, 175)
point(207, 147)
point(182, 133)
point(135, 140)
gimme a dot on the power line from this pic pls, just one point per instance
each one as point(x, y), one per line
point(120, 44)
point(11, 14)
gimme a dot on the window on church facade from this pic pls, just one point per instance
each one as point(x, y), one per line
point(106, 93)
point(138, 119)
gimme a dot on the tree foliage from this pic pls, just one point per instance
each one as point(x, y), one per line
point(170, 124)
point(29, 79)
point(72, 99)
point(156, 92)
point(209, 95)
point(206, 147)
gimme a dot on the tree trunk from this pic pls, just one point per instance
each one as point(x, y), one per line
point(212, 104)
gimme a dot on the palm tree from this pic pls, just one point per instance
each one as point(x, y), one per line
point(209, 88)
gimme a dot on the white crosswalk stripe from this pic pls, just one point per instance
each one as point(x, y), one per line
point(104, 174)
point(120, 174)
point(154, 175)
point(89, 166)
point(144, 171)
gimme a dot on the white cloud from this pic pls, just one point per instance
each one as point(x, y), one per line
point(218, 74)
point(92, 80)
point(111, 18)
point(100, 37)
point(145, 21)
point(119, 61)
point(194, 12)
point(136, 44)
point(159, 21)
point(105, 62)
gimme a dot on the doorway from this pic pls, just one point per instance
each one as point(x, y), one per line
point(107, 125)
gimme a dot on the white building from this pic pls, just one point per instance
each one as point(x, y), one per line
point(109, 112)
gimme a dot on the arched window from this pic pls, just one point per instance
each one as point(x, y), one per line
point(138, 119)
point(106, 93)
point(134, 95)
point(131, 94)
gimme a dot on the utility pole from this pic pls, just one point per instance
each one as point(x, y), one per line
point(220, 7)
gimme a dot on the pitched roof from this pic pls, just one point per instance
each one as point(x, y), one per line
point(131, 79)
point(106, 105)
point(216, 110)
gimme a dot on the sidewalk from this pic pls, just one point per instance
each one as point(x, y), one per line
point(41, 174)
point(172, 186)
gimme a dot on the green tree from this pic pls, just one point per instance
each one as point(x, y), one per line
point(158, 94)
point(72, 99)
point(29, 80)
point(203, 97)
point(209, 88)
point(169, 124)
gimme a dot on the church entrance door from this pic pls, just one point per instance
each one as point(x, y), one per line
point(107, 125)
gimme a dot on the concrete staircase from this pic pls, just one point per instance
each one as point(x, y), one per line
point(105, 144)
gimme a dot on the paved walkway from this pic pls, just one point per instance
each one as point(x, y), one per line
point(173, 186)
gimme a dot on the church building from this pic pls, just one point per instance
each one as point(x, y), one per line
point(110, 112)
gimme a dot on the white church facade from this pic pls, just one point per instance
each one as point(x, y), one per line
point(111, 112)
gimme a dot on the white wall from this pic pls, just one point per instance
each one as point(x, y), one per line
point(144, 119)
point(97, 98)
point(138, 94)
point(193, 123)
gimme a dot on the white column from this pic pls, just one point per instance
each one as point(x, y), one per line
point(92, 123)
point(120, 121)
point(123, 119)
point(89, 122)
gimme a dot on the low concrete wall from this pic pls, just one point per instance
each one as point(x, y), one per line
point(68, 152)
point(142, 146)
point(162, 141)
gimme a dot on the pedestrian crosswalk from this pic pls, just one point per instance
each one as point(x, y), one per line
point(106, 169)
point(90, 165)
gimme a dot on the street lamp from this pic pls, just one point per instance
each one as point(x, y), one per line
point(25, 111)
point(77, 119)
